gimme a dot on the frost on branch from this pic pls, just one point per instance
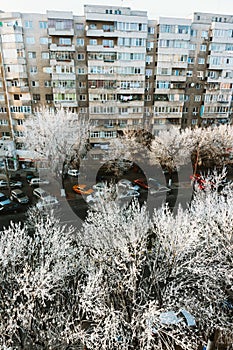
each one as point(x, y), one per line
point(125, 281)
point(57, 137)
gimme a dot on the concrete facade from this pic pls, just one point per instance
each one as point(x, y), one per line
point(117, 67)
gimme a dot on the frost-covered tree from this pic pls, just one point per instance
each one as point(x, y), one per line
point(123, 280)
point(141, 270)
point(57, 137)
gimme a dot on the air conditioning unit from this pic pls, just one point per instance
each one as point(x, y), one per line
point(93, 86)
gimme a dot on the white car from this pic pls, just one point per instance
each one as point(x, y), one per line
point(36, 181)
point(4, 200)
point(4, 184)
point(100, 186)
point(128, 194)
point(19, 196)
point(47, 203)
point(73, 172)
point(126, 184)
point(40, 193)
point(155, 187)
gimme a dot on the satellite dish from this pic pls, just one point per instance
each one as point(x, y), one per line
point(192, 84)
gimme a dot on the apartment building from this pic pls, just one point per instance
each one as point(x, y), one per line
point(117, 67)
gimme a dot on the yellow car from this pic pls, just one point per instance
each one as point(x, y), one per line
point(82, 189)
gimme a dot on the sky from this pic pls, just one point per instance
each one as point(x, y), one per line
point(154, 8)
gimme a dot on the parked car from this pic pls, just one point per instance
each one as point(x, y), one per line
point(128, 194)
point(142, 183)
point(73, 172)
point(19, 196)
point(36, 181)
point(30, 175)
point(99, 186)
point(82, 189)
point(40, 193)
point(127, 184)
point(9, 208)
point(155, 187)
point(4, 199)
point(47, 203)
point(4, 184)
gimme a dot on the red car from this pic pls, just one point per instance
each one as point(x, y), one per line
point(142, 183)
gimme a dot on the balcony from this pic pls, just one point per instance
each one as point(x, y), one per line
point(55, 47)
point(66, 103)
point(63, 76)
point(18, 89)
point(102, 33)
point(61, 32)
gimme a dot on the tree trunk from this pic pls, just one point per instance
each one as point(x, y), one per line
point(212, 340)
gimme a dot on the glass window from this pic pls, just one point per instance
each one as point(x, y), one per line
point(92, 42)
point(43, 25)
point(80, 42)
point(45, 55)
point(79, 26)
point(31, 54)
point(33, 69)
point(44, 40)
point(28, 24)
point(30, 40)
point(80, 56)
point(64, 41)
point(203, 48)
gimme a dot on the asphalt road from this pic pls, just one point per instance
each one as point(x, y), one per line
point(73, 208)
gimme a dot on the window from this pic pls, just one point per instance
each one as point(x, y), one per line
point(45, 55)
point(201, 60)
point(31, 54)
point(17, 97)
point(30, 40)
point(47, 70)
point(92, 42)
point(49, 97)
point(151, 30)
point(79, 26)
point(4, 122)
point(82, 97)
point(202, 47)
point(191, 60)
point(47, 83)
point(28, 24)
point(81, 70)
point(80, 42)
point(36, 97)
point(204, 34)
point(80, 56)
point(193, 32)
point(82, 84)
point(35, 83)
point(64, 41)
point(189, 73)
point(33, 69)
point(197, 98)
point(19, 121)
point(192, 47)
point(20, 53)
point(44, 40)
point(43, 25)
point(108, 43)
